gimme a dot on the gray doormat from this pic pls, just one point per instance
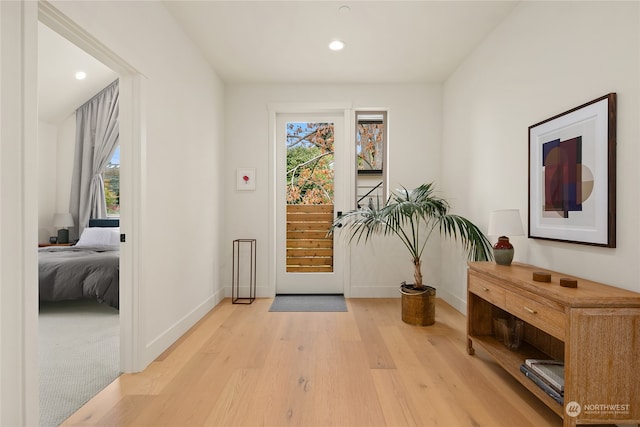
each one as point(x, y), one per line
point(299, 303)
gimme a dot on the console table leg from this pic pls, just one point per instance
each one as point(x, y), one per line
point(569, 421)
point(470, 350)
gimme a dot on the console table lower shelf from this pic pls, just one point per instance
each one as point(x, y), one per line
point(593, 329)
point(511, 361)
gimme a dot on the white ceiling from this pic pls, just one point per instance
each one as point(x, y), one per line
point(286, 42)
point(59, 93)
point(386, 41)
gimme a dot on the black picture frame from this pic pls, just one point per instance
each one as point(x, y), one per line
point(572, 175)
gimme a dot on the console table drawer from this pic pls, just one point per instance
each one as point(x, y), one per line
point(537, 314)
point(487, 291)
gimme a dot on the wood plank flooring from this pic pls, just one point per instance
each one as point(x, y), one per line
point(242, 365)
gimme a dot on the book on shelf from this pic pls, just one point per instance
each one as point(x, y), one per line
point(542, 384)
point(551, 371)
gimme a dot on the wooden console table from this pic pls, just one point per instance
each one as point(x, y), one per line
point(594, 329)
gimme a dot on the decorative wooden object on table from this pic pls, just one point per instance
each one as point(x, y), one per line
point(541, 276)
point(568, 283)
point(593, 329)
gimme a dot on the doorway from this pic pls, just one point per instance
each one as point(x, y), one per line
point(78, 340)
point(311, 185)
point(131, 148)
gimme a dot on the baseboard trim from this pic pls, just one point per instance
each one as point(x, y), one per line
point(163, 341)
point(374, 292)
point(261, 292)
point(455, 302)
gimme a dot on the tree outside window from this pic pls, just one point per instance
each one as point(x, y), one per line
point(370, 144)
point(310, 163)
point(111, 177)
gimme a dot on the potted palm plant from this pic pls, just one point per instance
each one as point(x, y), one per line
point(414, 216)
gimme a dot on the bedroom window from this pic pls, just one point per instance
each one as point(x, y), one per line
point(111, 177)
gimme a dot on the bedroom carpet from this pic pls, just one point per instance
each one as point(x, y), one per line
point(79, 349)
point(300, 303)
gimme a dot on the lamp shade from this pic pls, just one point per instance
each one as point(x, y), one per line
point(62, 220)
point(505, 222)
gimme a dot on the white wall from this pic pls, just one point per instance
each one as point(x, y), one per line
point(47, 189)
point(66, 147)
point(181, 168)
point(546, 58)
point(414, 144)
point(56, 145)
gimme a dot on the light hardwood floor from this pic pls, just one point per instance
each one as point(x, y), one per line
point(242, 365)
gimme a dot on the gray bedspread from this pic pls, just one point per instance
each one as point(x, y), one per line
point(69, 272)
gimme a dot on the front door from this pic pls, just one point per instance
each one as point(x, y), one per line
point(310, 190)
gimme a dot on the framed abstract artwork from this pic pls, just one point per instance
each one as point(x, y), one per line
point(572, 175)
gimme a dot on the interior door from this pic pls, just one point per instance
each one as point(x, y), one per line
point(310, 191)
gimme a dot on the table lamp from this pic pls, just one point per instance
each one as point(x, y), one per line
point(503, 223)
point(62, 221)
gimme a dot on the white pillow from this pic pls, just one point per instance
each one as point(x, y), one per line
point(98, 236)
point(115, 236)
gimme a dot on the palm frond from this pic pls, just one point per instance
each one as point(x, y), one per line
point(412, 215)
point(476, 244)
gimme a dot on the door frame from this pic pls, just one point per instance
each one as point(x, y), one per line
point(346, 110)
point(132, 169)
point(310, 282)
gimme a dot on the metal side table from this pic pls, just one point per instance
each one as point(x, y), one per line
point(249, 246)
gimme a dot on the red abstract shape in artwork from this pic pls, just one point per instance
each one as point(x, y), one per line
point(562, 161)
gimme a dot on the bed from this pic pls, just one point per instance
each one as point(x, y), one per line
point(89, 269)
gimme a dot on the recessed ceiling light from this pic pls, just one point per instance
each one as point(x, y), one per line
point(344, 10)
point(336, 45)
point(81, 75)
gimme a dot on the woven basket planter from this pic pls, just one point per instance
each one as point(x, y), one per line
point(418, 306)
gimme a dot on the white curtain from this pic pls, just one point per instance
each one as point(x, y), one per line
point(97, 136)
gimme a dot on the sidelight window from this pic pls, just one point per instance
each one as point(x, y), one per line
point(371, 155)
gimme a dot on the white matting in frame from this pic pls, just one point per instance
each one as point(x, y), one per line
point(572, 170)
point(246, 179)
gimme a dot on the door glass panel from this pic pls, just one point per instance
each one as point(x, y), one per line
point(309, 196)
